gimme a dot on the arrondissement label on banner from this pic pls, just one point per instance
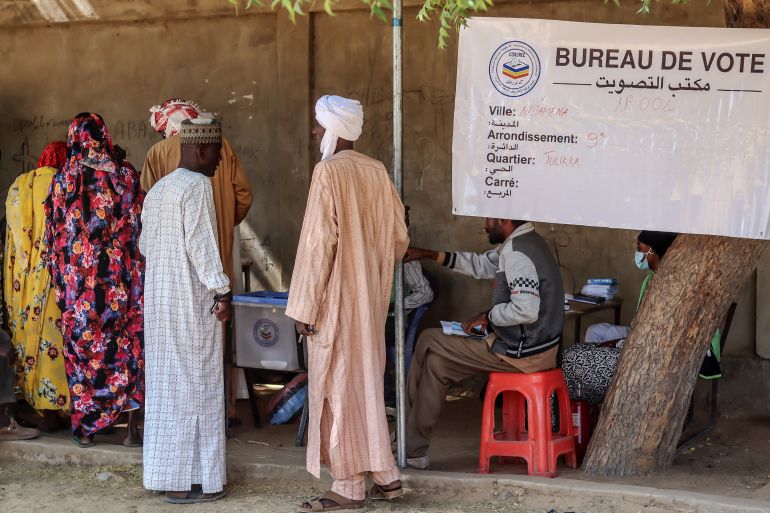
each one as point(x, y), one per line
point(623, 126)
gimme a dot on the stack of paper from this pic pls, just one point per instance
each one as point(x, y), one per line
point(605, 288)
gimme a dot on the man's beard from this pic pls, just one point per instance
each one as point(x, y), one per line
point(495, 237)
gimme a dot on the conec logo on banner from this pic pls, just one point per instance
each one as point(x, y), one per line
point(514, 68)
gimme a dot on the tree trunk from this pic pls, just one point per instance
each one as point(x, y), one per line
point(747, 13)
point(643, 414)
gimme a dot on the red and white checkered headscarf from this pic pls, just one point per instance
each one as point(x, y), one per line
point(167, 118)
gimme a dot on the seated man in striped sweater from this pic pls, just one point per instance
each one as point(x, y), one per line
point(521, 330)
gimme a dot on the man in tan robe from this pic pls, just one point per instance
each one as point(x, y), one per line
point(352, 234)
point(232, 192)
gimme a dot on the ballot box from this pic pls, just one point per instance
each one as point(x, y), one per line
point(264, 337)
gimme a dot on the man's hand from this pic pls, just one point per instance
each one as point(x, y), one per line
point(305, 329)
point(223, 310)
point(419, 254)
point(480, 320)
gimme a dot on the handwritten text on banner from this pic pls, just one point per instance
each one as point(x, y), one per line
point(662, 128)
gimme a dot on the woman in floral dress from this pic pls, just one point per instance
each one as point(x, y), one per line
point(34, 318)
point(94, 211)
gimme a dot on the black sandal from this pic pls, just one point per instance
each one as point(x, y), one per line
point(77, 441)
point(197, 496)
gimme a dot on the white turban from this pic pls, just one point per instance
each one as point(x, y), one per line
point(342, 118)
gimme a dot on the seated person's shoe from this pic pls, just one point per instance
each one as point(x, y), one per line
point(421, 463)
point(710, 368)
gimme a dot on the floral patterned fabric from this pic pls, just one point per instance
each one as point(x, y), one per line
point(34, 319)
point(94, 220)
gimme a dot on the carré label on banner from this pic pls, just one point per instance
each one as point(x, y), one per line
point(621, 126)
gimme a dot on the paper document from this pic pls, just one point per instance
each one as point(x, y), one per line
point(456, 328)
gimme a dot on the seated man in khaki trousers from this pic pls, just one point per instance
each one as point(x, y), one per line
point(520, 332)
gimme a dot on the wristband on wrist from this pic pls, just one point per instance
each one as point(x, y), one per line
point(221, 297)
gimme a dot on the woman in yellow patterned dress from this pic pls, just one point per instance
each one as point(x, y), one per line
point(34, 318)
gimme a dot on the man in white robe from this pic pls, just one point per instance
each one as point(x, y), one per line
point(187, 294)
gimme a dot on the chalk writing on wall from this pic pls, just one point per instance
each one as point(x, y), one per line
point(247, 152)
point(26, 161)
point(39, 122)
point(129, 130)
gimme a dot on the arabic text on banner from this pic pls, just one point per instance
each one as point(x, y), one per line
point(623, 126)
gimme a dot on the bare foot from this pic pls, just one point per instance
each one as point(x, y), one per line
point(132, 436)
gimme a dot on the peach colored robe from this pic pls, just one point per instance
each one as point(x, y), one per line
point(232, 192)
point(352, 234)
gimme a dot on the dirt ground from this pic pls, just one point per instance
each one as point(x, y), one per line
point(733, 461)
point(27, 487)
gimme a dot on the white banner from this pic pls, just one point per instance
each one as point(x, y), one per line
point(623, 126)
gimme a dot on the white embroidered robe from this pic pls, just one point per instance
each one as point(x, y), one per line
point(184, 430)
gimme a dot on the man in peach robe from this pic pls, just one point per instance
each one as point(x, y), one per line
point(352, 234)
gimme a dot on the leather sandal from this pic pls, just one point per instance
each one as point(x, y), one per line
point(84, 442)
point(386, 492)
point(330, 501)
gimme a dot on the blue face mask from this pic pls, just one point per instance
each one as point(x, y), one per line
point(640, 259)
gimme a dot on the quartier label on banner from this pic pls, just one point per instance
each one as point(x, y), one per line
point(622, 126)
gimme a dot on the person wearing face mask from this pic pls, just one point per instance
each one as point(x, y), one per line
point(592, 364)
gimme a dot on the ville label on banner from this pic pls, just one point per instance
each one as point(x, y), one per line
point(623, 126)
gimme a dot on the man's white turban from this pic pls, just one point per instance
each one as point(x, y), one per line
point(342, 118)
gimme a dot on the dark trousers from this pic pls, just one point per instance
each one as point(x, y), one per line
point(6, 382)
point(390, 352)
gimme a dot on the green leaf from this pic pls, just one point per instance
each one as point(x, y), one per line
point(377, 11)
point(443, 34)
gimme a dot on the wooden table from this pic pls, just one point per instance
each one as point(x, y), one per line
point(577, 310)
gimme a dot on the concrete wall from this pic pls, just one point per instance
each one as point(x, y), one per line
point(261, 74)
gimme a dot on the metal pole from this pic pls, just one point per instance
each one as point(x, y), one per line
point(398, 161)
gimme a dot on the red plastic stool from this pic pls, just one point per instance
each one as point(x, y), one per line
point(530, 437)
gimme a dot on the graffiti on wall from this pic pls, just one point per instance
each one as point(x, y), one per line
point(26, 161)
